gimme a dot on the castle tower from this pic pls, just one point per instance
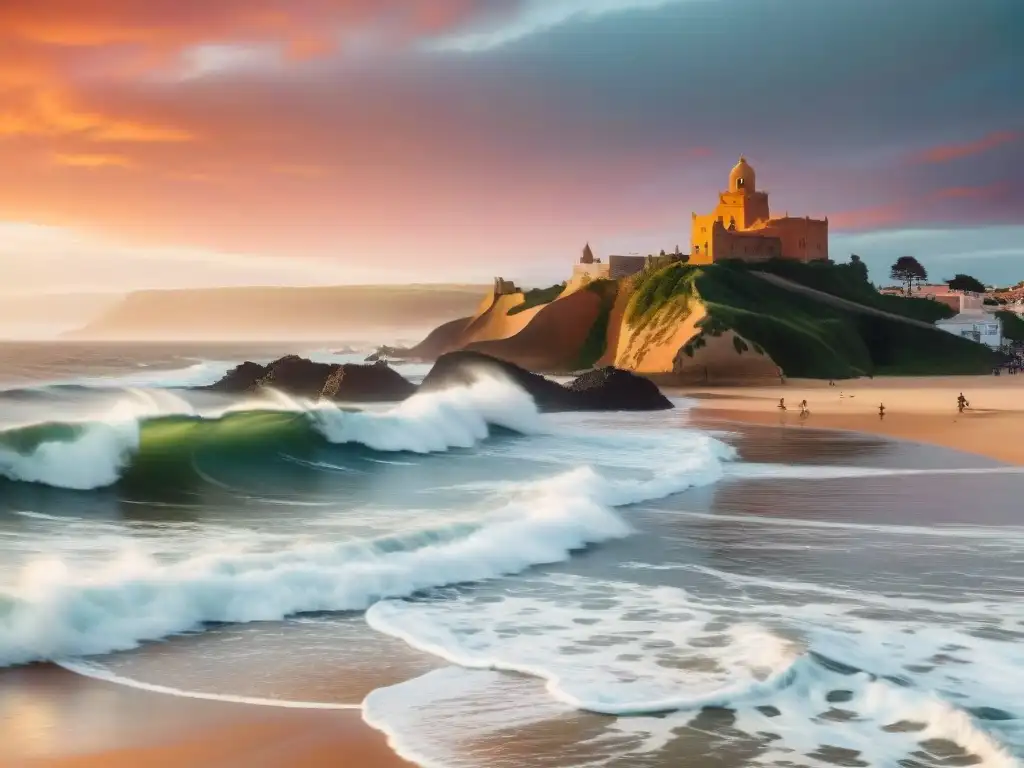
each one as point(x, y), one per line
point(742, 177)
point(741, 227)
point(588, 255)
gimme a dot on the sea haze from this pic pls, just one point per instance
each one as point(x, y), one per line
point(495, 587)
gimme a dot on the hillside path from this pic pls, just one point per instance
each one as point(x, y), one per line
point(836, 301)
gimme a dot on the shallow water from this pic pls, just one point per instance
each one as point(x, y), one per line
point(493, 587)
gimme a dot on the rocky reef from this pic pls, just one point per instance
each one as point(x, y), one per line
point(298, 376)
point(605, 389)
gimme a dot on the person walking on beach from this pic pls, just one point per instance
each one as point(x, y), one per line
point(881, 411)
point(961, 403)
point(782, 403)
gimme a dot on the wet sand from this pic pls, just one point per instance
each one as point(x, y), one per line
point(916, 410)
point(51, 718)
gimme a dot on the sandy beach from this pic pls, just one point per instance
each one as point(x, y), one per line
point(51, 718)
point(918, 410)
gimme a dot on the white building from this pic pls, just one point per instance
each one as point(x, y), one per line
point(981, 327)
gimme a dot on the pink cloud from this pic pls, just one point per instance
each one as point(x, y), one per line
point(947, 152)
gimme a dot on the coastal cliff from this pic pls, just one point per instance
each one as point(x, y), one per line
point(725, 323)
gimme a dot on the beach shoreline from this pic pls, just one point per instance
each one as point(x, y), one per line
point(917, 410)
point(53, 718)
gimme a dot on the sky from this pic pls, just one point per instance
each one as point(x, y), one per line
point(182, 143)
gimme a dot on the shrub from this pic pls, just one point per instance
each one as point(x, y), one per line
point(1013, 326)
point(537, 296)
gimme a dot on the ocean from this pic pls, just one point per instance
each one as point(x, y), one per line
point(494, 587)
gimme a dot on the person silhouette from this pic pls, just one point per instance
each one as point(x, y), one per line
point(782, 403)
point(961, 403)
point(881, 411)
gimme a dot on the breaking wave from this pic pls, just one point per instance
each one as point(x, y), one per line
point(159, 442)
point(56, 610)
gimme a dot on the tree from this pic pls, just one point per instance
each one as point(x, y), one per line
point(859, 267)
point(966, 283)
point(906, 270)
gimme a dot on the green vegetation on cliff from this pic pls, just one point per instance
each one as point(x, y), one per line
point(809, 334)
point(1013, 326)
point(597, 340)
point(537, 296)
point(846, 281)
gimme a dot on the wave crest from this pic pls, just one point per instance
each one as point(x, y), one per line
point(55, 610)
point(154, 439)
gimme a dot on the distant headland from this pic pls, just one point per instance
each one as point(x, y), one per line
point(754, 298)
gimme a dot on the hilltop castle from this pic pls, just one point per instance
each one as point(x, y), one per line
point(741, 227)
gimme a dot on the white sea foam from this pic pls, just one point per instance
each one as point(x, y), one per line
point(435, 421)
point(661, 655)
point(631, 649)
point(57, 609)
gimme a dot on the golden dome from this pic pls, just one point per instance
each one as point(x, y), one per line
point(742, 177)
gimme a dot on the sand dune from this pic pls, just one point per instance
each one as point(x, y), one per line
point(550, 337)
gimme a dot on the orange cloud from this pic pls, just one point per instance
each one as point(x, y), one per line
point(947, 152)
point(92, 161)
point(299, 24)
point(48, 113)
point(57, 52)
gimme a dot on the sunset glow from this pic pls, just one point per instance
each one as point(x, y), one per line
point(402, 140)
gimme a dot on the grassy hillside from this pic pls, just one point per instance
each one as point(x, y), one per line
point(841, 280)
point(804, 335)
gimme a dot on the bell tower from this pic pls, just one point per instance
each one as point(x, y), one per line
point(742, 177)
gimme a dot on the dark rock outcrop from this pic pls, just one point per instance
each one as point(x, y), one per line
point(240, 378)
point(606, 389)
point(304, 378)
point(613, 389)
point(366, 383)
